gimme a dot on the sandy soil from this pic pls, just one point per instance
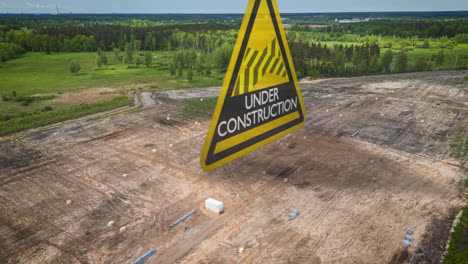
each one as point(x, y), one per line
point(87, 96)
point(356, 195)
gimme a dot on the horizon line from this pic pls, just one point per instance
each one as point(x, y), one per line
point(170, 13)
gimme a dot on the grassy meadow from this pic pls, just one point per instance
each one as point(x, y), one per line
point(59, 94)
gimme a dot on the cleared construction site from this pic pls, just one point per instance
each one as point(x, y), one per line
point(373, 160)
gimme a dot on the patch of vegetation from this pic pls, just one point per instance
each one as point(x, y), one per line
point(198, 108)
point(458, 246)
point(38, 73)
point(165, 122)
point(48, 115)
point(460, 148)
point(47, 108)
point(28, 99)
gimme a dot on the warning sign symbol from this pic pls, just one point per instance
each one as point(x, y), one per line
point(260, 100)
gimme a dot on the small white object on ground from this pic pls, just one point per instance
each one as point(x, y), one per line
point(410, 231)
point(241, 250)
point(125, 175)
point(123, 229)
point(154, 151)
point(171, 145)
point(294, 214)
point(201, 100)
point(406, 243)
point(214, 206)
point(111, 223)
point(69, 202)
point(285, 180)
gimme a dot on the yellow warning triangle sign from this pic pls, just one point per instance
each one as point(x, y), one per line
point(260, 100)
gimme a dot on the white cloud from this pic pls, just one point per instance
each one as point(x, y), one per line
point(38, 6)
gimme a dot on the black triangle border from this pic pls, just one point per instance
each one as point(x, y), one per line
point(211, 158)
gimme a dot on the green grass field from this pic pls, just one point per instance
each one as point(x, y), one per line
point(450, 56)
point(457, 251)
point(39, 74)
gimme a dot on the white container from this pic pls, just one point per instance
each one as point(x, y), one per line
point(214, 206)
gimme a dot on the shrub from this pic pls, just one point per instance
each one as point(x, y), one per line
point(6, 98)
point(47, 108)
point(74, 67)
point(190, 74)
point(27, 99)
point(4, 118)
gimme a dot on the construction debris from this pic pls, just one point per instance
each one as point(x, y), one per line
point(406, 243)
point(182, 219)
point(294, 214)
point(214, 206)
point(410, 231)
point(145, 257)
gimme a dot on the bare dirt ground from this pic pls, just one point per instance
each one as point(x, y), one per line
point(61, 187)
point(87, 96)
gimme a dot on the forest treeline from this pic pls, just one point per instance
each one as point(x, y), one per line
point(398, 28)
point(206, 47)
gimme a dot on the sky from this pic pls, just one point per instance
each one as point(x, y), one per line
point(224, 6)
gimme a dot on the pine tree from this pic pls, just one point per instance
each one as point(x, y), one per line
point(401, 62)
point(148, 59)
point(117, 55)
point(190, 74)
point(128, 56)
point(98, 61)
point(440, 58)
point(420, 64)
point(172, 70)
point(180, 72)
point(138, 61)
point(386, 62)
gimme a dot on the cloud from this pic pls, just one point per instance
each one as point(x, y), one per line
point(38, 6)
